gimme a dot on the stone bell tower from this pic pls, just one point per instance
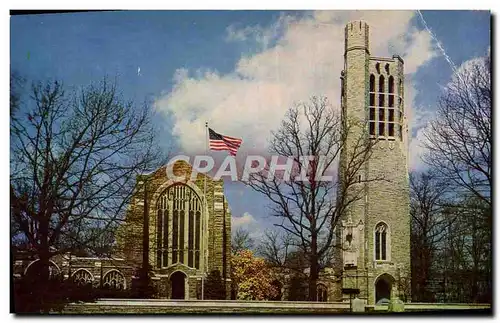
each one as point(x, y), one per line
point(375, 231)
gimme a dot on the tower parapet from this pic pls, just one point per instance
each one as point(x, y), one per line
point(357, 36)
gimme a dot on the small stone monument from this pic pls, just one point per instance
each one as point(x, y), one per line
point(358, 305)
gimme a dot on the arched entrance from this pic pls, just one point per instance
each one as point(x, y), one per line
point(178, 282)
point(321, 293)
point(383, 287)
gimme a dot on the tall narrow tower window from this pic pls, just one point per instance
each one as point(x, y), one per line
point(391, 106)
point(381, 106)
point(391, 91)
point(372, 90)
point(381, 121)
point(372, 114)
point(381, 94)
point(391, 122)
point(381, 241)
point(381, 129)
point(372, 105)
point(372, 128)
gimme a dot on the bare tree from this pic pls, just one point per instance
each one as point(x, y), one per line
point(74, 161)
point(275, 247)
point(429, 220)
point(17, 84)
point(241, 240)
point(310, 207)
point(459, 141)
point(465, 259)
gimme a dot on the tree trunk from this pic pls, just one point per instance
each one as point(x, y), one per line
point(313, 269)
point(43, 252)
point(313, 278)
point(41, 272)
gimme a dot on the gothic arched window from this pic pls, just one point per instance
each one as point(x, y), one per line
point(391, 91)
point(372, 104)
point(372, 90)
point(321, 293)
point(114, 279)
point(82, 277)
point(381, 90)
point(391, 106)
point(178, 227)
point(381, 104)
point(381, 238)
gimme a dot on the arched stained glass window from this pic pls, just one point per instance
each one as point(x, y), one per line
point(178, 227)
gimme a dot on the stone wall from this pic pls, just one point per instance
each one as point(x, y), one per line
point(255, 307)
point(67, 265)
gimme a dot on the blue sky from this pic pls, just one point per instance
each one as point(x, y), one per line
point(219, 65)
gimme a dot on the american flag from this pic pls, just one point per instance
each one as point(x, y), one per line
point(221, 142)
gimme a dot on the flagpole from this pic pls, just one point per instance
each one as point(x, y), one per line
point(205, 230)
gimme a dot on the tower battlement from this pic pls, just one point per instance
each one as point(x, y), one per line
point(357, 35)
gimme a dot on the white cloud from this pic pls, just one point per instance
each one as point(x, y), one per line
point(234, 34)
point(244, 221)
point(263, 37)
point(421, 115)
point(248, 223)
point(298, 58)
point(417, 151)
